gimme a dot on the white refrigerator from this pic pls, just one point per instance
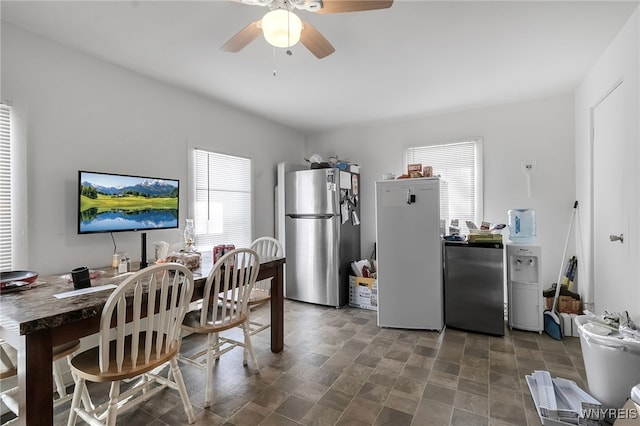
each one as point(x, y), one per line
point(409, 254)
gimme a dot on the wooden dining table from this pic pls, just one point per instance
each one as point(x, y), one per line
point(33, 321)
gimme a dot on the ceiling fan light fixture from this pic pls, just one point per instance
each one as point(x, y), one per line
point(281, 28)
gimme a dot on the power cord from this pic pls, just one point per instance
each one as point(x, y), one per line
point(114, 243)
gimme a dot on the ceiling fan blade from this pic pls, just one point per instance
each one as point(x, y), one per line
point(315, 42)
point(341, 6)
point(254, 2)
point(243, 37)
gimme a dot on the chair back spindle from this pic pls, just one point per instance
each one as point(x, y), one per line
point(267, 247)
point(228, 287)
point(158, 300)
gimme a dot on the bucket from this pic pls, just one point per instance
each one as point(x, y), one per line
point(522, 225)
point(612, 364)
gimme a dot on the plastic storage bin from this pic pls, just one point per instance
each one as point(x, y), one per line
point(522, 226)
point(612, 364)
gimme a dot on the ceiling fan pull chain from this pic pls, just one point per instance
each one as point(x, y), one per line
point(274, 62)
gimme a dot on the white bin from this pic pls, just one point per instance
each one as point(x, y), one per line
point(612, 364)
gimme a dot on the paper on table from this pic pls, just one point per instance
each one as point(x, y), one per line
point(84, 291)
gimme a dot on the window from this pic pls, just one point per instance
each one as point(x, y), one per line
point(459, 166)
point(6, 243)
point(223, 200)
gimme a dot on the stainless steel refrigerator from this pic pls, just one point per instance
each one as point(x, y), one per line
point(322, 234)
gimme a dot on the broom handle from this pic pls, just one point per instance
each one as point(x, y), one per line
point(564, 255)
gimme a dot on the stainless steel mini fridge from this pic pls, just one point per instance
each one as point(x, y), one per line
point(474, 287)
point(322, 234)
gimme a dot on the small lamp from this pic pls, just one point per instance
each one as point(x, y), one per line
point(281, 28)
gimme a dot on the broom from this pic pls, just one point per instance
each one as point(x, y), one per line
point(551, 318)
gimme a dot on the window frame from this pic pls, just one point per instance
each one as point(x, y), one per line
point(7, 194)
point(478, 145)
point(194, 189)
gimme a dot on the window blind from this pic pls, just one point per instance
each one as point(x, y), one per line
point(6, 250)
point(459, 167)
point(223, 200)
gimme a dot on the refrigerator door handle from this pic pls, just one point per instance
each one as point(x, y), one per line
point(311, 216)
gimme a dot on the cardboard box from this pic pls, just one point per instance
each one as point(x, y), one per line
point(414, 170)
point(363, 293)
point(478, 237)
point(566, 304)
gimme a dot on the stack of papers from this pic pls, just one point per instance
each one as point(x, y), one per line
point(561, 402)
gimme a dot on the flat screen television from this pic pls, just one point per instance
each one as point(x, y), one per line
point(109, 202)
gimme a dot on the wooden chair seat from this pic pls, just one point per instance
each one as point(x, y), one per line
point(87, 365)
point(193, 322)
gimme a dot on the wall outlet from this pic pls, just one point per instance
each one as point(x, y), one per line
point(529, 167)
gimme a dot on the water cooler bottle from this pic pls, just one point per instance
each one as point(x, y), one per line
point(524, 287)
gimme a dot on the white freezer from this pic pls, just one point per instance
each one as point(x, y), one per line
point(409, 254)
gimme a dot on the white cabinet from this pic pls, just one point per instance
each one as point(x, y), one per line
point(524, 272)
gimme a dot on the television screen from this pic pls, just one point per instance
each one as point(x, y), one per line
point(110, 202)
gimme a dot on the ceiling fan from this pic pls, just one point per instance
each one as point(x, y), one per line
point(282, 28)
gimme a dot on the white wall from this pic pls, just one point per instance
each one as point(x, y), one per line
point(83, 113)
point(540, 130)
point(621, 60)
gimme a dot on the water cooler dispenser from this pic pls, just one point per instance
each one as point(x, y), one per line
point(524, 287)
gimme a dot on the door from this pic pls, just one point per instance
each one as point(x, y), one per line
point(311, 192)
point(312, 260)
point(615, 204)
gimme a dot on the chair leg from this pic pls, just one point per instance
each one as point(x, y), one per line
point(112, 411)
point(216, 345)
point(182, 389)
point(248, 346)
point(57, 378)
point(78, 392)
point(85, 398)
point(212, 344)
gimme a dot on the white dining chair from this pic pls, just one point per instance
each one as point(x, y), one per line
point(8, 368)
point(261, 294)
point(139, 333)
point(223, 307)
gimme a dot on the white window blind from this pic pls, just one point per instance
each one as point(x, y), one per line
point(6, 259)
point(459, 166)
point(223, 210)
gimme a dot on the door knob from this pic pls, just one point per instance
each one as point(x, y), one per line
point(617, 238)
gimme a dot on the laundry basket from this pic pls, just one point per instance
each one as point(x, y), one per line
point(612, 364)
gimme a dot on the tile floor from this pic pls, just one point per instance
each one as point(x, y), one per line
point(340, 368)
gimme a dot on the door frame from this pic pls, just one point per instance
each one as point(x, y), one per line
point(589, 297)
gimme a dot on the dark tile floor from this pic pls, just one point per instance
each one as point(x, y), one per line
point(340, 368)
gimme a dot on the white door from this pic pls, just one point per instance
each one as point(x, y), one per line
point(614, 204)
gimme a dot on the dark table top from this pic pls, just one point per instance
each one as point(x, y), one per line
point(35, 307)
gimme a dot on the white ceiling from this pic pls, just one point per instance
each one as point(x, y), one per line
point(416, 58)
